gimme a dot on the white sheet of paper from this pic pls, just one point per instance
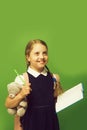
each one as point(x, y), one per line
point(69, 97)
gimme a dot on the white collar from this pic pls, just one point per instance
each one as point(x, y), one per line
point(35, 73)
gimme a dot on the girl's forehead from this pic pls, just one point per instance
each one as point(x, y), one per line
point(39, 46)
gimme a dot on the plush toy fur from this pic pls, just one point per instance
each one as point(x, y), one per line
point(13, 89)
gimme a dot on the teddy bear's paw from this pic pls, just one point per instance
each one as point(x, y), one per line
point(20, 112)
point(11, 95)
point(23, 104)
point(11, 111)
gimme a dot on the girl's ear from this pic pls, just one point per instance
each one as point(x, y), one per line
point(27, 58)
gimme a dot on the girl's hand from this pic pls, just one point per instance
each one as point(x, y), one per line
point(25, 90)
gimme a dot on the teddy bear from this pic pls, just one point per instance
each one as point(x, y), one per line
point(13, 89)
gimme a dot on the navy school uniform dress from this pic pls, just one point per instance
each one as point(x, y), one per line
point(40, 114)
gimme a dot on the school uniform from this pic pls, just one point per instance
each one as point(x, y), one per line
point(40, 114)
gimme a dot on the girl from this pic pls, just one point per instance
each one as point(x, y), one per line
point(41, 91)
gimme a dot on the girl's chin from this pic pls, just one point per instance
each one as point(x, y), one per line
point(40, 68)
point(41, 64)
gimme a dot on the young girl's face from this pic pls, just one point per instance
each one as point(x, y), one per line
point(38, 57)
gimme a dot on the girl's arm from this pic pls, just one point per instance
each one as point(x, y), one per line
point(57, 86)
point(17, 124)
point(11, 103)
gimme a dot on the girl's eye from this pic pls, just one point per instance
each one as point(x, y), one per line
point(45, 53)
point(36, 53)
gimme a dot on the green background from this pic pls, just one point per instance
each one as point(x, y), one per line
point(63, 25)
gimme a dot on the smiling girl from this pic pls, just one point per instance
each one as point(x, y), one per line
point(41, 92)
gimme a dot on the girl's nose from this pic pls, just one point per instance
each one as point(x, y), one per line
point(41, 55)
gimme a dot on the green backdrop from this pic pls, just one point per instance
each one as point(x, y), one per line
point(63, 25)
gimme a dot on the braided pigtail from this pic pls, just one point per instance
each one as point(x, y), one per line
point(57, 85)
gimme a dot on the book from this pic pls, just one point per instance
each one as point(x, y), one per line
point(69, 97)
